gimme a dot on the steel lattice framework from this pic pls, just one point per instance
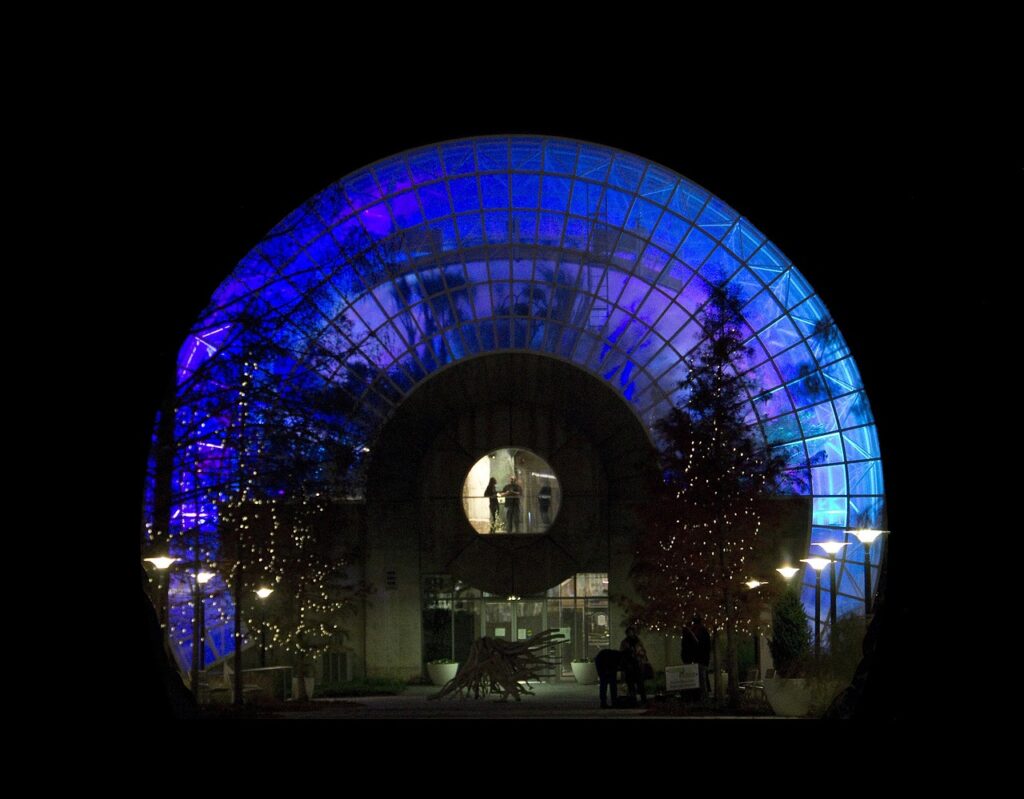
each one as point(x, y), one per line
point(572, 250)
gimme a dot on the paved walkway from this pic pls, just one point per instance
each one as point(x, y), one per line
point(555, 701)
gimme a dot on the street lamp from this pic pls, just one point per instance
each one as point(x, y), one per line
point(817, 564)
point(866, 538)
point(263, 593)
point(161, 564)
point(787, 572)
point(198, 626)
point(832, 547)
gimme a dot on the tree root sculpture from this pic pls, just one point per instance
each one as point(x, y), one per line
point(495, 666)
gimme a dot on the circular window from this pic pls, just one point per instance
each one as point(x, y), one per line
point(511, 490)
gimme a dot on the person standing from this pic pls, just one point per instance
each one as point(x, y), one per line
point(491, 492)
point(634, 656)
point(512, 492)
point(544, 502)
point(608, 663)
point(700, 632)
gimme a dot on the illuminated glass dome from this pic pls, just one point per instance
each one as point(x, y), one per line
point(562, 248)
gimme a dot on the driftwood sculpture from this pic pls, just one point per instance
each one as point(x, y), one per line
point(501, 666)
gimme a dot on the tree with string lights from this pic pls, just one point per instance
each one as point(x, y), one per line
point(702, 526)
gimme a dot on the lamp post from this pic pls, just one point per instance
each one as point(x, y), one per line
point(263, 593)
point(832, 547)
point(161, 564)
point(866, 538)
point(817, 564)
point(751, 586)
point(198, 626)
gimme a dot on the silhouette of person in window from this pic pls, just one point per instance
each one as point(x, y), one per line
point(544, 501)
point(491, 492)
point(512, 492)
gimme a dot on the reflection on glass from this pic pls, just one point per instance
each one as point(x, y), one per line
point(511, 490)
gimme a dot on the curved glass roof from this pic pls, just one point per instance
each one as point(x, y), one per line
point(573, 250)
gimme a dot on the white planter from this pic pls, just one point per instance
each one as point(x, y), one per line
point(296, 687)
point(797, 696)
point(585, 673)
point(442, 673)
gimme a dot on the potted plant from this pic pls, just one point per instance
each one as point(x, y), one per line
point(584, 671)
point(788, 692)
point(442, 671)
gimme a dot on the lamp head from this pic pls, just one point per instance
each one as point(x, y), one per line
point(832, 547)
point(162, 562)
point(816, 563)
point(787, 571)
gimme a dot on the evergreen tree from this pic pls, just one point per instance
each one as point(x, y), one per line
point(703, 522)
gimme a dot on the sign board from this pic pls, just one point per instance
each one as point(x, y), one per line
point(682, 678)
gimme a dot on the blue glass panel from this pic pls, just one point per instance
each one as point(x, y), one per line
point(406, 209)
point(832, 531)
point(828, 344)
point(361, 190)
point(652, 307)
point(560, 157)
point(550, 230)
point(526, 153)
point(769, 262)
point(652, 263)
point(500, 270)
point(670, 232)
point(616, 206)
point(496, 225)
point(577, 232)
point(568, 273)
point(492, 154)
point(525, 191)
point(673, 279)
point(471, 229)
point(861, 443)
point(458, 158)
point(695, 294)
point(829, 481)
point(842, 377)
point(552, 333)
point(782, 430)
point(827, 511)
point(808, 314)
point(586, 198)
point(765, 376)
point(716, 218)
point(687, 338)
point(745, 285)
point(464, 194)
point(425, 166)
point(695, 248)
point(555, 193)
point(593, 163)
point(795, 361)
point(435, 200)
point(779, 336)
point(853, 410)
point(719, 267)
point(867, 512)
point(744, 239)
point(795, 453)
point(762, 310)
point(392, 175)
point(626, 250)
point(825, 449)
point(808, 390)
point(494, 189)
point(688, 200)
point(445, 230)
point(791, 289)
point(642, 218)
point(304, 224)
point(658, 184)
point(524, 226)
point(633, 292)
point(818, 419)
point(770, 404)
point(626, 172)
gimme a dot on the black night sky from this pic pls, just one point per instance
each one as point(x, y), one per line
point(858, 196)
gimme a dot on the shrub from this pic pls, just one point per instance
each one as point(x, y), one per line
point(791, 639)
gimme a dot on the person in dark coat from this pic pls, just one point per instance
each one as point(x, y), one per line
point(491, 492)
point(512, 492)
point(703, 651)
point(633, 658)
point(688, 647)
point(608, 662)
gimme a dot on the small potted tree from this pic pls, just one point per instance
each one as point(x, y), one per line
point(788, 693)
point(584, 671)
